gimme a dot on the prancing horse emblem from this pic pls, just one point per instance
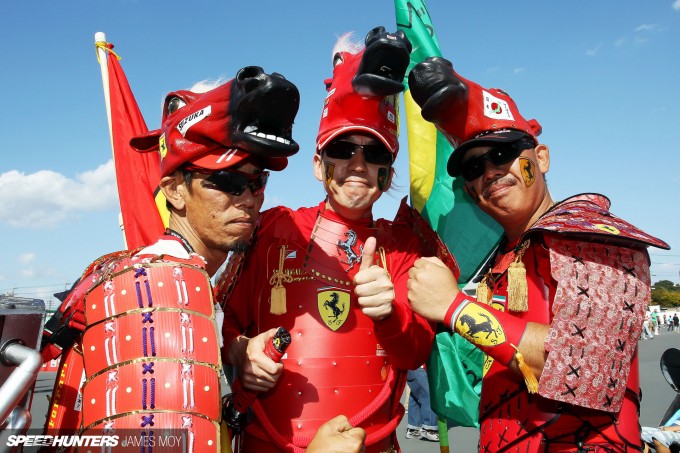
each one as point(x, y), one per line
point(479, 326)
point(347, 247)
point(333, 304)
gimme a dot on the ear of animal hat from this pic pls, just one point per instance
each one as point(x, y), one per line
point(437, 89)
point(383, 63)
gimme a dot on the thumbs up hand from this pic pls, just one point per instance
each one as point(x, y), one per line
point(373, 287)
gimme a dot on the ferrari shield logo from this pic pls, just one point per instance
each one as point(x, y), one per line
point(528, 170)
point(162, 146)
point(479, 326)
point(333, 306)
point(608, 228)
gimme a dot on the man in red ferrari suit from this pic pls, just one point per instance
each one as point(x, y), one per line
point(141, 350)
point(334, 276)
point(561, 306)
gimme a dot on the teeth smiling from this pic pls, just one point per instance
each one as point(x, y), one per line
point(252, 130)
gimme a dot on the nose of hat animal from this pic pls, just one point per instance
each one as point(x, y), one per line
point(250, 78)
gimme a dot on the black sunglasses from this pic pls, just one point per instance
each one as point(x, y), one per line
point(473, 168)
point(236, 182)
point(376, 154)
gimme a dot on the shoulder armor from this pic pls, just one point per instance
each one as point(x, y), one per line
point(430, 242)
point(587, 217)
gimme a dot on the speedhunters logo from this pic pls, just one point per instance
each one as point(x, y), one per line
point(122, 439)
point(62, 441)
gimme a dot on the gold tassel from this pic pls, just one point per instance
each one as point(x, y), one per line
point(529, 377)
point(483, 292)
point(278, 298)
point(518, 291)
point(383, 259)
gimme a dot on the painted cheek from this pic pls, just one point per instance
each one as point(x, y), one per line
point(329, 169)
point(383, 173)
point(528, 170)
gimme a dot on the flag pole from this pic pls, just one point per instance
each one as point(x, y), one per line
point(102, 57)
point(100, 37)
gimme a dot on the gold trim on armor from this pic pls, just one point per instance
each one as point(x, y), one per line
point(137, 311)
point(78, 347)
point(105, 276)
point(298, 275)
point(330, 279)
point(216, 368)
point(164, 411)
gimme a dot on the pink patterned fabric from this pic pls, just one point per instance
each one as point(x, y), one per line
point(602, 295)
point(588, 214)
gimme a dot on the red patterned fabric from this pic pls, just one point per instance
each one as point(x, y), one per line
point(588, 215)
point(511, 419)
point(599, 307)
point(590, 283)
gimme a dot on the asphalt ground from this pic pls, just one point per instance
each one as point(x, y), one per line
point(657, 395)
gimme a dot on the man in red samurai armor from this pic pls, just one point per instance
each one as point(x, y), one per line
point(561, 305)
point(138, 337)
point(334, 276)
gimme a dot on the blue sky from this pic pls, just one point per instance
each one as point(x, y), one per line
point(601, 77)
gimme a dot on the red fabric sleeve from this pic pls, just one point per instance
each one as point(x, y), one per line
point(405, 336)
point(237, 316)
point(238, 312)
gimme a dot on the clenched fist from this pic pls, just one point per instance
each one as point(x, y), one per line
point(431, 288)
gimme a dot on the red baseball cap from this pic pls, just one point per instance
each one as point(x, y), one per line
point(466, 113)
point(360, 97)
point(225, 126)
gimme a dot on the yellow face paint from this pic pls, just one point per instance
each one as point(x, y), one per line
point(528, 170)
point(382, 178)
point(330, 169)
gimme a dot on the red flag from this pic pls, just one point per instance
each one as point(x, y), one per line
point(137, 174)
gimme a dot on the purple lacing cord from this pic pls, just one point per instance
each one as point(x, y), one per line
point(147, 368)
point(153, 393)
point(144, 351)
point(148, 442)
point(140, 271)
point(148, 292)
point(153, 342)
point(147, 420)
point(146, 317)
point(139, 295)
point(144, 393)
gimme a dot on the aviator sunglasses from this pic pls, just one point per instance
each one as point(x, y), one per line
point(376, 154)
point(473, 168)
point(236, 182)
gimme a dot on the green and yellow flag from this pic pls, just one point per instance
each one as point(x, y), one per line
point(455, 366)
